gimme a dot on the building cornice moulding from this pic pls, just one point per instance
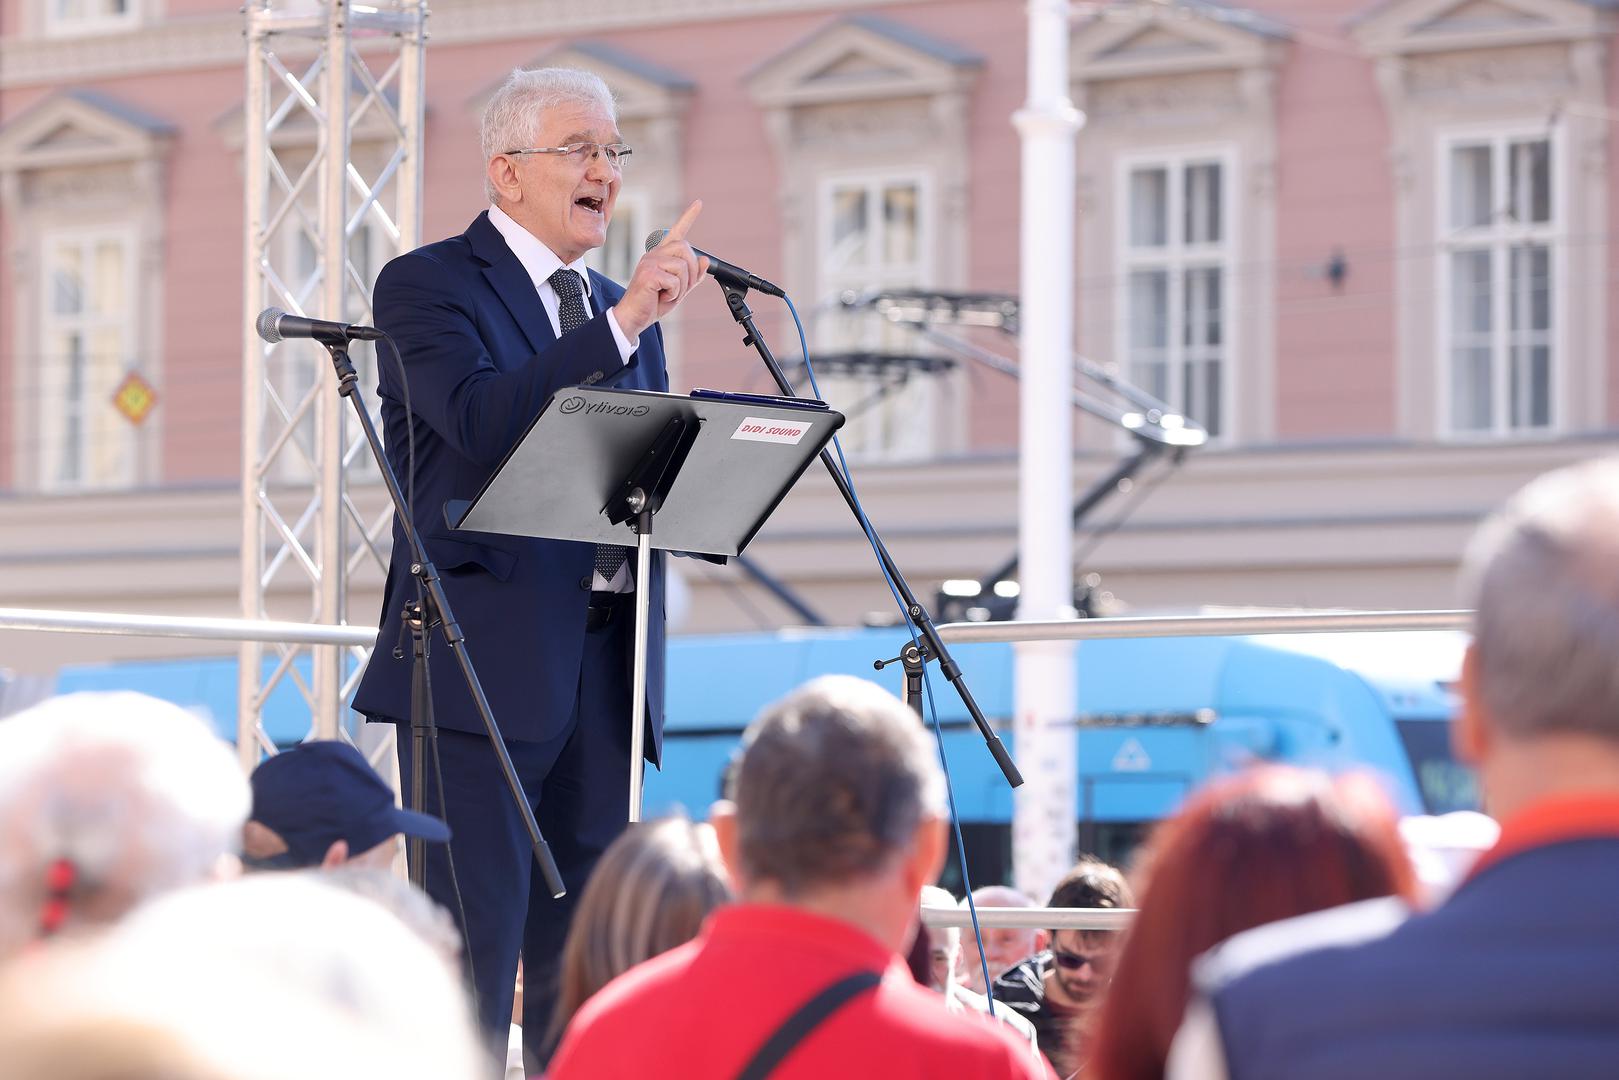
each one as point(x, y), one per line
point(217, 41)
point(177, 45)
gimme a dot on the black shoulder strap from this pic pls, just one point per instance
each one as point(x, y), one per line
point(809, 1016)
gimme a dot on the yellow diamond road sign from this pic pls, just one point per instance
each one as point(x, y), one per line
point(134, 397)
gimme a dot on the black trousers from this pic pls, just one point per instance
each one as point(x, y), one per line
point(578, 785)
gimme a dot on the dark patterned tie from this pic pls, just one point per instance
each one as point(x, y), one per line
point(572, 315)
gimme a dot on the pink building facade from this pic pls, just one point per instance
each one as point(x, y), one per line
point(1365, 244)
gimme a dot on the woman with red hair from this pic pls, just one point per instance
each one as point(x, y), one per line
point(1251, 849)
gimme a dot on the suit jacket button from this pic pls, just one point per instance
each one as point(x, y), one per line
point(585, 582)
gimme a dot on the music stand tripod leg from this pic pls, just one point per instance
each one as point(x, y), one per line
point(643, 606)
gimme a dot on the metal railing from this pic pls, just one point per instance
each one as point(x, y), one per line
point(240, 630)
point(1303, 622)
point(1310, 622)
point(170, 626)
point(1000, 918)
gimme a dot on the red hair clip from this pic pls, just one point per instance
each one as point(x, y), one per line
point(60, 877)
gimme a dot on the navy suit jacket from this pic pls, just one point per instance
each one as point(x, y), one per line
point(1515, 975)
point(482, 360)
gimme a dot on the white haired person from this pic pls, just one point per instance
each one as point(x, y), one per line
point(945, 975)
point(491, 325)
point(266, 977)
point(106, 800)
point(1004, 947)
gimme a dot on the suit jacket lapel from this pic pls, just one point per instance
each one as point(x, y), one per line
point(604, 293)
point(511, 282)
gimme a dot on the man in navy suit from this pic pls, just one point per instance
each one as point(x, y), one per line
point(489, 325)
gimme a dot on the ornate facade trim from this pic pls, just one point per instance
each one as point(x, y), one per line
point(81, 159)
point(1171, 79)
point(216, 40)
point(1449, 66)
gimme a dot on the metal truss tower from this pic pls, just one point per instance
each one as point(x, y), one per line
point(333, 164)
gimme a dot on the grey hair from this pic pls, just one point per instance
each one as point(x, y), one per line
point(1542, 575)
point(420, 913)
point(1001, 896)
point(293, 936)
point(137, 793)
point(512, 116)
point(832, 782)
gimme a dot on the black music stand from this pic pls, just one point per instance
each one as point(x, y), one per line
point(599, 465)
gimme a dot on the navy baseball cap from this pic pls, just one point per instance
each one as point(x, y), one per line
point(319, 792)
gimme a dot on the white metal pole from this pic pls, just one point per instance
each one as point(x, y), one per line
point(250, 657)
point(412, 116)
point(638, 712)
point(331, 552)
point(1044, 810)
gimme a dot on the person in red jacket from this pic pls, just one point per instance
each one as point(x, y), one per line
point(836, 820)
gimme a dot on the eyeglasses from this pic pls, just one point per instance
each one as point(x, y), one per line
point(1071, 961)
point(580, 152)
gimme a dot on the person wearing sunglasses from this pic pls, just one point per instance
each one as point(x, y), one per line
point(489, 326)
point(1058, 989)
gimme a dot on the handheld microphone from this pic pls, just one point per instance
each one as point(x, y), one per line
point(721, 270)
point(276, 325)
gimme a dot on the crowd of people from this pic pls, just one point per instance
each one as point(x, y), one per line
point(164, 918)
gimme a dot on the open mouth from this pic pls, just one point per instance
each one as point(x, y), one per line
point(589, 202)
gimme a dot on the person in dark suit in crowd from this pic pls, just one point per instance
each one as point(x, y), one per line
point(489, 325)
point(1516, 973)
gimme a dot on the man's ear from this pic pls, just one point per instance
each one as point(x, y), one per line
point(259, 841)
point(929, 845)
point(336, 855)
point(1470, 729)
point(502, 173)
point(1042, 940)
point(722, 816)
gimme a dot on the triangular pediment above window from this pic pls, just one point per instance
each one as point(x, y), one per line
point(1413, 26)
point(1124, 40)
point(642, 88)
point(856, 65)
point(1156, 42)
point(862, 58)
point(80, 127)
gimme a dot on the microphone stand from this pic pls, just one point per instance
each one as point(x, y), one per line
point(736, 300)
point(431, 608)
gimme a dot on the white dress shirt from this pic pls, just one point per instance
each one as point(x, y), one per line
point(541, 262)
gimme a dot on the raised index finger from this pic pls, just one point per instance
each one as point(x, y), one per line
point(686, 219)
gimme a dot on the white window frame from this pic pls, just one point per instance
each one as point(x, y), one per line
point(52, 431)
point(828, 284)
point(58, 26)
point(1177, 257)
point(1498, 239)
